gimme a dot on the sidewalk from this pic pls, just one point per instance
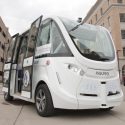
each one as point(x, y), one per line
point(19, 112)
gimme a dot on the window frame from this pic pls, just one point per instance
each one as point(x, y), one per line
point(40, 31)
point(119, 1)
point(123, 51)
point(122, 17)
point(108, 2)
point(69, 54)
point(64, 41)
point(101, 11)
point(109, 21)
point(96, 17)
point(123, 34)
point(0, 29)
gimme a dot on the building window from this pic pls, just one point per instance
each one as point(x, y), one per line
point(123, 70)
point(4, 34)
point(0, 29)
point(103, 24)
point(91, 21)
point(123, 34)
point(101, 11)
point(124, 51)
point(122, 17)
point(1, 73)
point(3, 47)
point(108, 2)
point(109, 21)
point(2, 60)
point(119, 1)
point(96, 17)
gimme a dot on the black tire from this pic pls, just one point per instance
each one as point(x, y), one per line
point(43, 101)
point(7, 97)
point(106, 109)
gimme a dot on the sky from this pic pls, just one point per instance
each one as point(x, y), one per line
point(19, 14)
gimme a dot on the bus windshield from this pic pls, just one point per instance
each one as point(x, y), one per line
point(93, 42)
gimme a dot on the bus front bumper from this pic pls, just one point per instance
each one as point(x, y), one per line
point(86, 102)
point(93, 93)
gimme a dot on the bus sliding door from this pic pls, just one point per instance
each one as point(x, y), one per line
point(9, 65)
point(26, 90)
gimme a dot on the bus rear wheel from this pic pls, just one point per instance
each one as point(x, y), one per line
point(7, 97)
point(43, 101)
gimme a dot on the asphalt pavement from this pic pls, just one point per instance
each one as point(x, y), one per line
point(20, 112)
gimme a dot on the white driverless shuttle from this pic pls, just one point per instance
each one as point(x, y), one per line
point(59, 63)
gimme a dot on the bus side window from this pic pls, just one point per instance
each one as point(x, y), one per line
point(31, 41)
point(10, 50)
point(58, 46)
point(44, 35)
point(32, 38)
point(22, 51)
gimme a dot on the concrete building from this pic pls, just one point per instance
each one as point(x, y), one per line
point(5, 38)
point(111, 14)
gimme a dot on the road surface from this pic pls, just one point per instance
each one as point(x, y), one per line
point(23, 113)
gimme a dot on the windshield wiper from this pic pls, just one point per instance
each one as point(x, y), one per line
point(95, 56)
point(103, 59)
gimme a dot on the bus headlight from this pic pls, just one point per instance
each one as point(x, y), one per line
point(76, 69)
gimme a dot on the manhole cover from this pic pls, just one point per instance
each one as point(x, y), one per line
point(5, 103)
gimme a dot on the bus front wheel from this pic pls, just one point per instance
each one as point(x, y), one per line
point(7, 97)
point(43, 101)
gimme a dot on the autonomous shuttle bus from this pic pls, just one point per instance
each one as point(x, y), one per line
point(59, 63)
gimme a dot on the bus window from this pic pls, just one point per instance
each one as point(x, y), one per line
point(15, 55)
point(58, 43)
point(11, 49)
point(44, 34)
point(22, 51)
point(32, 39)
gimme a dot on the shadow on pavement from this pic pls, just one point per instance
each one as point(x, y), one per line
point(17, 102)
point(83, 113)
point(66, 113)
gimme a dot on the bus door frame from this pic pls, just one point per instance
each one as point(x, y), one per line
point(28, 61)
point(8, 65)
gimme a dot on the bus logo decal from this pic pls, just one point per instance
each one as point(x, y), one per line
point(102, 73)
point(26, 78)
